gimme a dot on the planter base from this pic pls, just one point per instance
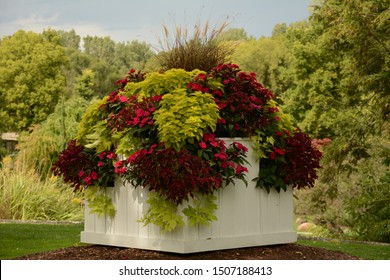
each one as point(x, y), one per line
point(246, 217)
point(183, 246)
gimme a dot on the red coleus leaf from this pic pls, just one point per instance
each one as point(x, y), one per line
point(278, 151)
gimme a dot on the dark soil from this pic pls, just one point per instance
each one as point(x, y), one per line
point(275, 252)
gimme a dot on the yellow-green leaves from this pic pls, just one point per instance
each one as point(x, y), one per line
point(160, 83)
point(202, 212)
point(99, 202)
point(185, 116)
point(162, 213)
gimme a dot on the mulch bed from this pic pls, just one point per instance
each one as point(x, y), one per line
point(274, 252)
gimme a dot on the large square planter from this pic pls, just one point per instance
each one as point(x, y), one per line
point(246, 216)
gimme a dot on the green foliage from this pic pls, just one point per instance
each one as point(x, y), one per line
point(84, 84)
point(156, 83)
point(99, 202)
point(331, 74)
point(202, 212)
point(234, 34)
point(263, 141)
point(39, 148)
point(88, 120)
point(369, 203)
point(185, 116)
point(269, 58)
point(25, 196)
point(166, 215)
point(109, 60)
point(162, 213)
point(31, 81)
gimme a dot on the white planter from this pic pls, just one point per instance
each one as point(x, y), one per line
point(247, 216)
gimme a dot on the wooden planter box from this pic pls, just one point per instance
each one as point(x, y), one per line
point(247, 216)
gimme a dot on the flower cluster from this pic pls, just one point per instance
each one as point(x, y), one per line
point(124, 113)
point(241, 100)
point(81, 166)
point(178, 175)
point(292, 161)
point(176, 148)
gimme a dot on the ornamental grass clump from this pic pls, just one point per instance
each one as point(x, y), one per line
point(164, 132)
point(202, 50)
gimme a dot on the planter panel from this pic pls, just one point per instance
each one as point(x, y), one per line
point(247, 216)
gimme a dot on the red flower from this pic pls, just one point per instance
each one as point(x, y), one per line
point(240, 147)
point(221, 121)
point(208, 137)
point(139, 112)
point(217, 92)
point(196, 87)
point(100, 164)
point(122, 98)
point(94, 175)
point(240, 169)
point(111, 155)
point(278, 151)
point(203, 145)
point(88, 181)
point(221, 156)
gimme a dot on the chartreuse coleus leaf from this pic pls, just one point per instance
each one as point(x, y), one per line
point(162, 213)
point(99, 202)
point(202, 212)
point(184, 116)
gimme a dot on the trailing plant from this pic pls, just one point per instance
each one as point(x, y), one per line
point(203, 210)
point(162, 213)
point(98, 202)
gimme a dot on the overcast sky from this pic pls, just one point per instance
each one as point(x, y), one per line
point(142, 20)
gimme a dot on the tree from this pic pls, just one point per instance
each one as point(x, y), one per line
point(84, 84)
point(31, 80)
point(268, 58)
point(340, 90)
point(39, 147)
point(110, 61)
point(235, 34)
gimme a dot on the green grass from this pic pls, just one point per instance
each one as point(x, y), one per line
point(22, 239)
point(361, 250)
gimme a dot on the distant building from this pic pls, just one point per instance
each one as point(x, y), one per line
point(9, 141)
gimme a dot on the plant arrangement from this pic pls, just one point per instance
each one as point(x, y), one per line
point(165, 132)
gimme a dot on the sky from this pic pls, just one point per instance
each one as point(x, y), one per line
point(142, 20)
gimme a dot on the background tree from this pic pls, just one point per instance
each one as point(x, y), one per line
point(110, 61)
point(31, 80)
point(340, 70)
point(84, 84)
point(268, 58)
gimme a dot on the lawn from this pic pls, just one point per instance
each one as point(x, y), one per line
point(23, 239)
point(361, 250)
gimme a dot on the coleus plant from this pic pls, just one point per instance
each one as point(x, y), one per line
point(167, 128)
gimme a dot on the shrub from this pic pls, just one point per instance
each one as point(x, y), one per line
point(25, 196)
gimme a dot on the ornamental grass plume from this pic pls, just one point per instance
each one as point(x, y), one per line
point(203, 50)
